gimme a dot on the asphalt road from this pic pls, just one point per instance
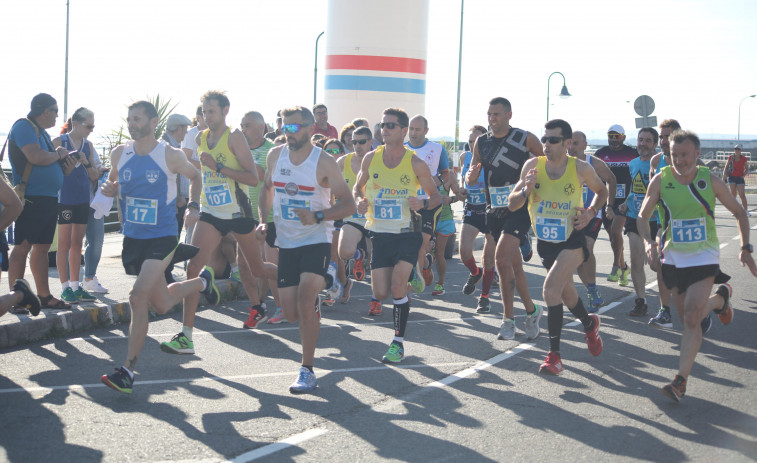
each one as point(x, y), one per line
point(459, 395)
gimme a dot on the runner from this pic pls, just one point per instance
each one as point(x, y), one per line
point(303, 179)
point(226, 163)
point(551, 186)
point(388, 178)
point(736, 167)
point(660, 160)
point(639, 168)
point(690, 253)
point(445, 227)
point(617, 156)
point(587, 271)
point(474, 222)
point(143, 175)
point(353, 230)
point(503, 151)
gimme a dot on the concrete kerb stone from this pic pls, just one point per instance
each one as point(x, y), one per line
point(52, 324)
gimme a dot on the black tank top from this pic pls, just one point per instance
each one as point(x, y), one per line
point(502, 158)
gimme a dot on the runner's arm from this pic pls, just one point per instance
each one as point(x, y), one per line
point(241, 150)
point(642, 221)
point(475, 165)
point(265, 197)
point(587, 175)
point(723, 193)
point(534, 146)
point(519, 194)
point(423, 173)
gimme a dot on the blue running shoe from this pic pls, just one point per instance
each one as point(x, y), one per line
point(211, 290)
point(306, 382)
point(119, 380)
point(706, 324)
point(525, 248)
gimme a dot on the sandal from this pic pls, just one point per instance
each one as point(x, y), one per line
point(19, 310)
point(50, 302)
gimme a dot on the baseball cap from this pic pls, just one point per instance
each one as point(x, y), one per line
point(175, 120)
point(616, 128)
point(737, 147)
point(40, 103)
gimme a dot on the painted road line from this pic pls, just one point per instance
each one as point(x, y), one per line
point(278, 446)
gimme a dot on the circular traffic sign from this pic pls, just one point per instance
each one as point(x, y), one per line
point(644, 105)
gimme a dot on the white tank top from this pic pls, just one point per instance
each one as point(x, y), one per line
point(296, 187)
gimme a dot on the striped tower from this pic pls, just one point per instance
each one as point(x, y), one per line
point(375, 58)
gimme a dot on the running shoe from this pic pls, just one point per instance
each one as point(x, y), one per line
point(346, 292)
point(29, 301)
point(327, 301)
point(639, 308)
point(675, 390)
point(68, 296)
point(706, 324)
point(593, 339)
point(438, 290)
point(278, 317)
point(532, 323)
point(417, 283)
point(211, 293)
point(623, 279)
point(395, 354)
point(358, 268)
point(525, 248)
point(93, 286)
point(483, 305)
point(179, 344)
point(305, 382)
point(118, 380)
point(256, 318)
point(595, 300)
point(428, 276)
point(470, 285)
point(235, 276)
point(507, 330)
point(614, 274)
point(552, 365)
point(662, 319)
point(725, 313)
point(375, 308)
point(83, 295)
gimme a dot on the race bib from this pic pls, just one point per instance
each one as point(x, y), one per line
point(500, 195)
point(476, 197)
point(552, 229)
point(357, 215)
point(142, 211)
point(387, 209)
point(620, 190)
point(289, 206)
point(689, 230)
point(218, 195)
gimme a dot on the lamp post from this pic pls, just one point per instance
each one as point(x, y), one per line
point(315, 70)
point(65, 80)
point(738, 133)
point(563, 93)
point(459, 70)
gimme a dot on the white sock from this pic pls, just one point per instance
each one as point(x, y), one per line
point(399, 339)
point(65, 285)
point(74, 285)
point(204, 284)
point(187, 330)
point(235, 269)
point(131, 374)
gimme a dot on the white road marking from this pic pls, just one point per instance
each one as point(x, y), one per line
point(278, 446)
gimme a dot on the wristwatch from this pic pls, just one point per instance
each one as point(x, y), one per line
point(219, 166)
point(748, 248)
point(318, 216)
point(193, 205)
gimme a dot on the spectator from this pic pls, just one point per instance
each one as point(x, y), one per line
point(345, 136)
point(322, 125)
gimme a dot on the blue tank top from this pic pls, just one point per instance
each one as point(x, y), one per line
point(148, 193)
point(588, 193)
point(476, 194)
point(639, 171)
point(75, 189)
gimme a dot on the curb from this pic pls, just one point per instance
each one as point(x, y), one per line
point(54, 324)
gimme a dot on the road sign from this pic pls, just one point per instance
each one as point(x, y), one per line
point(644, 105)
point(649, 121)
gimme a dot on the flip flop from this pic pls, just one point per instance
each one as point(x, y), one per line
point(50, 302)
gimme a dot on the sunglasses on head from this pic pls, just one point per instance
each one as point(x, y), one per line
point(551, 140)
point(389, 125)
point(359, 142)
point(293, 128)
point(333, 151)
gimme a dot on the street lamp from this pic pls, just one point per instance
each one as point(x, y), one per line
point(738, 136)
point(563, 93)
point(315, 70)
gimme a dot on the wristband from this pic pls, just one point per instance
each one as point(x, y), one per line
point(193, 205)
point(425, 204)
point(523, 193)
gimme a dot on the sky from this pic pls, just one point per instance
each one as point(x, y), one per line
point(695, 58)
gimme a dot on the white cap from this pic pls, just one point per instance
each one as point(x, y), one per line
point(617, 128)
point(737, 147)
point(176, 120)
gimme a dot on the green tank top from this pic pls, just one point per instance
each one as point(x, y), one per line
point(687, 213)
point(259, 154)
point(446, 212)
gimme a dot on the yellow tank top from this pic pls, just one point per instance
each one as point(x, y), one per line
point(387, 191)
point(350, 176)
point(552, 203)
point(221, 195)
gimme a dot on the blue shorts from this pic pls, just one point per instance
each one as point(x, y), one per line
point(445, 227)
point(735, 180)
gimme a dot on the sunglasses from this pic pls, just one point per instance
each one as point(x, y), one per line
point(389, 125)
point(614, 136)
point(89, 126)
point(552, 140)
point(333, 151)
point(359, 142)
point(293, 128)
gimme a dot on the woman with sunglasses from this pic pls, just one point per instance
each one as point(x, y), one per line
point(340, 291)
point(73, 203)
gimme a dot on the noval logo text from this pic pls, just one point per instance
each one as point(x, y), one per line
point(152, 175)
point(555, 205)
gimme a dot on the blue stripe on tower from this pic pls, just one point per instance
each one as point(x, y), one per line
point(376, 84)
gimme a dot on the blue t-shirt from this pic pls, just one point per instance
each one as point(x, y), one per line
point(43, 180)
point(639, 170)
point(476, 195)
point(75, 189)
